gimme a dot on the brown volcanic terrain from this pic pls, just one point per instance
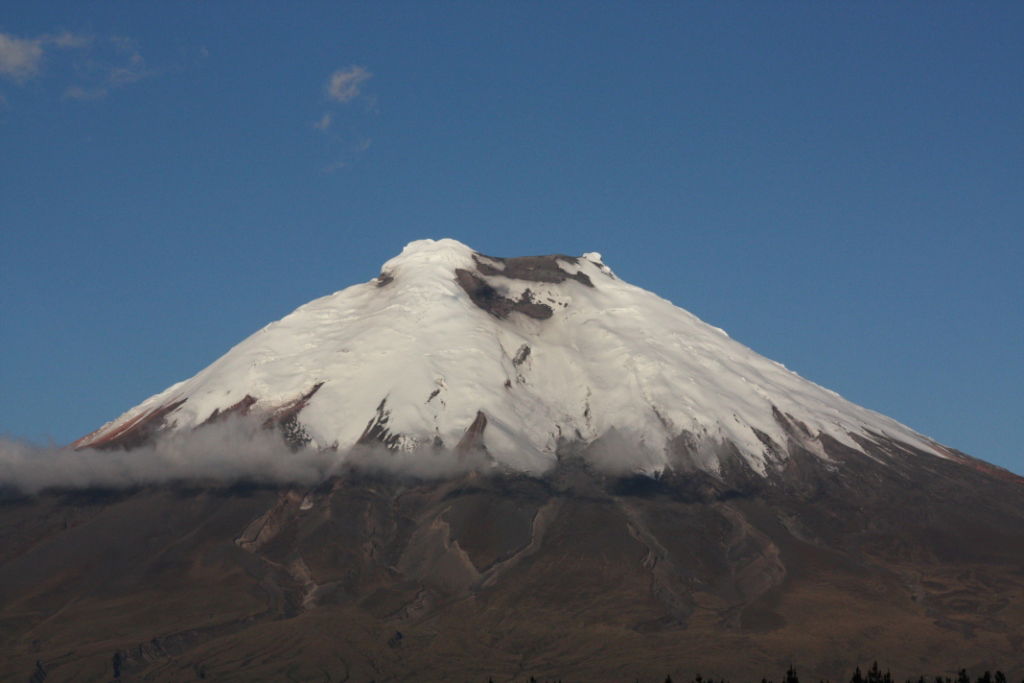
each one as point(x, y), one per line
point(906, 558)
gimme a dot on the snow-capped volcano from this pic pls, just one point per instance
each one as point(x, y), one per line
point(519, 356)
point(782, 518)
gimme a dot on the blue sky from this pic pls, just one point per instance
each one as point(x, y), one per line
point(837, 185)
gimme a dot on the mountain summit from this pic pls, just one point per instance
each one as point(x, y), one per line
point(520, 357)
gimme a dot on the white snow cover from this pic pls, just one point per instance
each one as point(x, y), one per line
point(613, 358)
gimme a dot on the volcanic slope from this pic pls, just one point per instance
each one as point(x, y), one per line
point(518, 356)
point(576, 576)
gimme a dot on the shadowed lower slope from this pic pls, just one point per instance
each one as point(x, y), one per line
point(576, 575)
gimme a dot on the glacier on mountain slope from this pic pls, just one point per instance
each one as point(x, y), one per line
point(413, 348)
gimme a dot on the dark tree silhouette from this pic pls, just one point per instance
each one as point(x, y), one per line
point(873, 675)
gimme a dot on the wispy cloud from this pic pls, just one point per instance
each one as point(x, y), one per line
point(343, 85)
point(77, 92)
point(20, 58)
point(67, 39)
point(324, 123)
point(130, 72)
point(351, 156)
point(125, 66)
point(100, 64)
